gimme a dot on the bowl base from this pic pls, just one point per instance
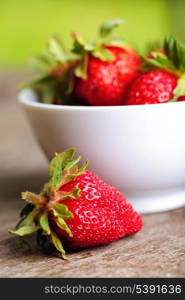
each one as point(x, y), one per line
point(153, 202)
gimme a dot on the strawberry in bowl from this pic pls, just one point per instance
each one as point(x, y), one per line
point(76, 208)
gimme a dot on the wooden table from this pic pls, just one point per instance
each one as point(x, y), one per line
point(157, 251)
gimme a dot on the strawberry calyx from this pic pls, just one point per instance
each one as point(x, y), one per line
point(171, 59)
point(96, 48)
point(40, 208)
point(56, 72)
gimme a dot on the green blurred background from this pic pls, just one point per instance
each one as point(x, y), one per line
point(26, 25)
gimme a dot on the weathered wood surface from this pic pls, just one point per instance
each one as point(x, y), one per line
point(157, 251)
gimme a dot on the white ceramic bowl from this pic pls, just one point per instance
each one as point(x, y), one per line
point(139, 149)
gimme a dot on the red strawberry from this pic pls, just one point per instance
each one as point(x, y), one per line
point(152, 87)
point(107, 82)
point(77, 208)
point(105, 69)
point(165, 79)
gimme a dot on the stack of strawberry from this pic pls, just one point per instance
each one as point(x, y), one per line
point(108, 71)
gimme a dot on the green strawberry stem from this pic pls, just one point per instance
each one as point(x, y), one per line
point(36, 214)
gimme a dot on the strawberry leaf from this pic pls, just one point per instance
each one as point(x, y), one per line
point(173, 59)
point(107, 28)
point(62, 195)
point(79, 43)
point(40, 81)
point(44, 223)
point(61, 210)
point(45, 190)
point(169, 46)
point(48, 94)
point(159, 60)
point(180, 89)
point(181, 56)
point(82, 169)
point(27, 208)
point(58, 245)
point(32, 197)
point(171, 50)
point(103, 54)
point(57, 166)
point(63, 169)
point(117, 42)
point(63, 225)
point(70, 84)
point(81, 70)
point(25, 230)
point(29, 219)
point(56, 48)
point(60, 160)
point(71, 172)
point(43, 62)
point(72, 163)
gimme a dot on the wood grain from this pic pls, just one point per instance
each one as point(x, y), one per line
point(157, 251)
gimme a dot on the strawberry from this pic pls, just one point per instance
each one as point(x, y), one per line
point(152, 87)
point(107, 82)
point(164, 76)
point(76, 208)
point(105, 69)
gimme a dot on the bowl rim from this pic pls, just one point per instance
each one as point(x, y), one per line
point(27, 101)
